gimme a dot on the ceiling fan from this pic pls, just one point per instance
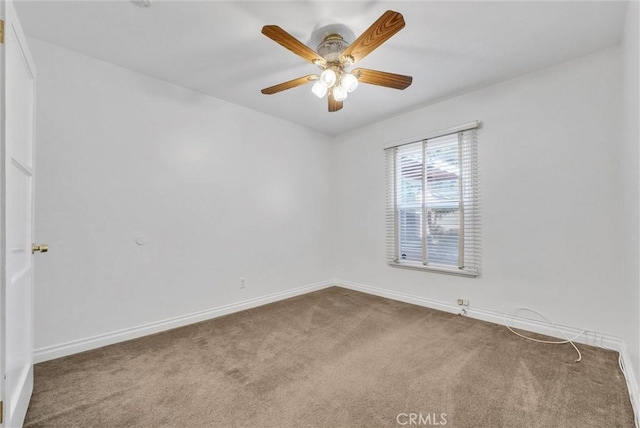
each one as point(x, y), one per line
point(335, 57)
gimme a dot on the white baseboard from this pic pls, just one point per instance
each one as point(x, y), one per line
point(76, 346)
point(601, 340)
point(632, 386)
point(589, 338)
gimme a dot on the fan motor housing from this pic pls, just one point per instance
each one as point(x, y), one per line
point(331, 47)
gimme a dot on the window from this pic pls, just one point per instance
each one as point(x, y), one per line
point(432, 203)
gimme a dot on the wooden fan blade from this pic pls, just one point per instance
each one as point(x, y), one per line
point(290, 84)
point(333, 104)
point(382, 78)
point(386, 26)
point(286, 40)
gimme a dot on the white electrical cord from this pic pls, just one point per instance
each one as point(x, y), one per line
point(516, 311)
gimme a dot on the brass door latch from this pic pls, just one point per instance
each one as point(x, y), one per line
point(42, 248)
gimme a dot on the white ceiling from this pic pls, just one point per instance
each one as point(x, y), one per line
point(216, 47)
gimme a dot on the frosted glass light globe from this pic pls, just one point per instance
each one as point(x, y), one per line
point(339, 93)
point(328, 77)
point(319, 89)
point(349, 82)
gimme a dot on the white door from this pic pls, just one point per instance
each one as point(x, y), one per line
point(17, 115)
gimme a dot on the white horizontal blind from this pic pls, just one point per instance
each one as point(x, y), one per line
point(390, 216)
point(409, 194)
point(442, 204)
point(432, 211)
point(471, 201)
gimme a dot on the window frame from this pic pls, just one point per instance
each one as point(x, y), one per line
point(471, 194)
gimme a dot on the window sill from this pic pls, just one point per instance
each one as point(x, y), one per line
point(448, 271)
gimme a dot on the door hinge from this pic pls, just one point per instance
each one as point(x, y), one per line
point(1, 32)
point(1, 411)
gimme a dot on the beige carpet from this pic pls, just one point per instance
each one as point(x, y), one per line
point(333, 358)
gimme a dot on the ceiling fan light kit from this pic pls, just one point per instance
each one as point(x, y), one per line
point(335, 57)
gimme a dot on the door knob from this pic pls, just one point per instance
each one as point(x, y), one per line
point(42, 248)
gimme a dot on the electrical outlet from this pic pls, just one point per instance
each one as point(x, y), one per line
point(242, 282)
point(463, 302)
point(460, 302)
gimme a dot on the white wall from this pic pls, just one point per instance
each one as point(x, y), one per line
point(630, 181)
point(548, 152)
point(219, 192)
